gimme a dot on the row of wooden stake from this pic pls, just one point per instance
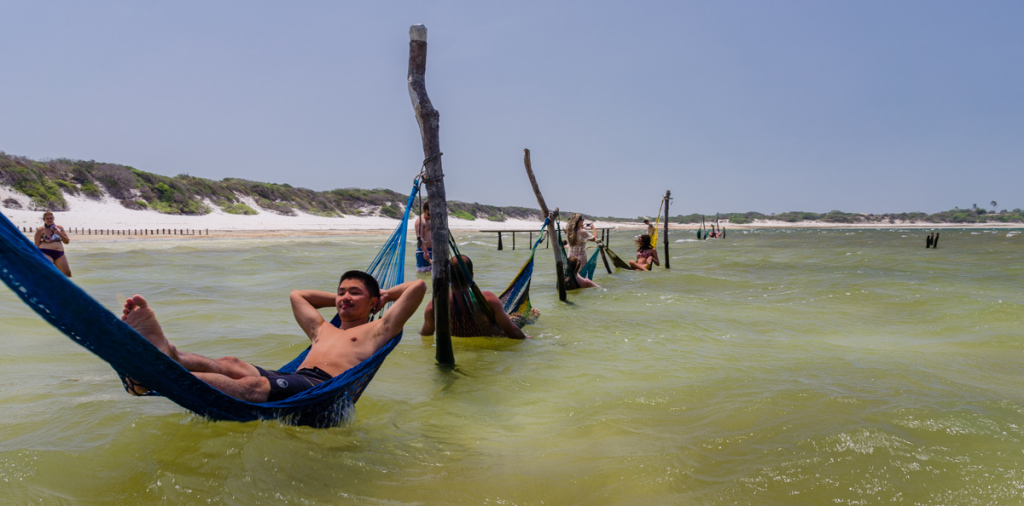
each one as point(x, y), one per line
point(158, 231)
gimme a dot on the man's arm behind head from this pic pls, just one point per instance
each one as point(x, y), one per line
point(304, 307)
point(407, 298)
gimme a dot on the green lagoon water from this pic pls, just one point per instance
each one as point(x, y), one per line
point(772, 367)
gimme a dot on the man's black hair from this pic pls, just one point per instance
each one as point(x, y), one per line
point(372, 288)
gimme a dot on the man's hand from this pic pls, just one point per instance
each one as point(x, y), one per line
point(385, 297)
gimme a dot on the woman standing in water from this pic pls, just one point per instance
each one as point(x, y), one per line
point(577, 237)
point(646, 255)
point(50, 239)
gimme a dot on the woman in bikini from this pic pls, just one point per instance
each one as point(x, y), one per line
point(50, 239)
point(646, 255)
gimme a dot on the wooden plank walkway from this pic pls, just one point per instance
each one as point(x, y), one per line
point(604, 234)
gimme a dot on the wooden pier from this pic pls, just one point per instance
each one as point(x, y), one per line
point(604, 235)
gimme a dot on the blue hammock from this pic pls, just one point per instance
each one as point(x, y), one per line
point(31, 275)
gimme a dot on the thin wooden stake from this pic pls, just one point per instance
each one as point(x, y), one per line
point(552, 238)
point(428, 119)
point(668, 196)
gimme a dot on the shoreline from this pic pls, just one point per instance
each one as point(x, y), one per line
point(307, 233)
point(116, 222)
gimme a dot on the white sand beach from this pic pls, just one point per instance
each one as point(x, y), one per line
point(106, 214)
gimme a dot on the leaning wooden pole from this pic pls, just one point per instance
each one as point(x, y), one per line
point(604, 258)
point(427, 117)
point(552, 237)
point(668, 197)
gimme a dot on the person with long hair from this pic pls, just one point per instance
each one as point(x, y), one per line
point(50, 239)
point(646, 255)
point(574, 280)
point(467, 320)
point(578, 236)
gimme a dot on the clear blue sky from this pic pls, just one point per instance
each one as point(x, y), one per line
point(861, 106)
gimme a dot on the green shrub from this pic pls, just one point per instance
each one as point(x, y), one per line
point(89, 188)
point(163, 207)
point(166, 192)
point(462, 215)
point(238, 208)
point(391, 211)
point(66, 186)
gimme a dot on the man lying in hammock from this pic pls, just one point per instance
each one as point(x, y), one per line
point(334, 350)
point(468, 318)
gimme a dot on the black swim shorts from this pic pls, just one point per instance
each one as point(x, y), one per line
point(284, 385)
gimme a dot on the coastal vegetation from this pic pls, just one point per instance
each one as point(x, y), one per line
point(47, 182)
point(956, 215)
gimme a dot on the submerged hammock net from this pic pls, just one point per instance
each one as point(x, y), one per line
point(516, 297)
point(618, 262)
point(35, 279)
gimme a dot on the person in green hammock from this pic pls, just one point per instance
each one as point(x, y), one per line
point(333, 351)
point(467, 320)
point(573, 279)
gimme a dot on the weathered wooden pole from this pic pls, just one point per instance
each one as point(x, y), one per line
point(552, 238)
point(668, 196)
point(604, 258)
point(499, 241)
point(428, 119)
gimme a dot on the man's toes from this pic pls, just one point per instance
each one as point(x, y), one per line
point(139, 301)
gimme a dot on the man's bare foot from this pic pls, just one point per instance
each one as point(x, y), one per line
point(139, 316)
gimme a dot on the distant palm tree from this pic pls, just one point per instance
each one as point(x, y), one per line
point(974, 206)
point(993, 205)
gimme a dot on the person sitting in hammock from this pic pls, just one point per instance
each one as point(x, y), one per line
point(333, 351)
point(469, 321)
point(574, 280)
point(646, 255)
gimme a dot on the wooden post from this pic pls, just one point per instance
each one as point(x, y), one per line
point(604, 258)
point(552, 238)
point(513, 240)
point(428, 119)
point(668, 196)
point(499, 241)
